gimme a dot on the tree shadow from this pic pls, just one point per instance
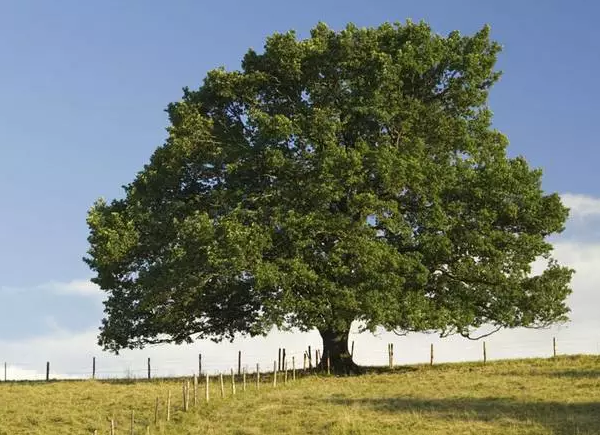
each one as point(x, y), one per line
point(574, 373)
point(123, 381)
point(371, 370)
point(582, 373)
point(561, 418)
point(578, 373)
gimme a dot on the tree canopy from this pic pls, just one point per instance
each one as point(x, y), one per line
point(350, 176)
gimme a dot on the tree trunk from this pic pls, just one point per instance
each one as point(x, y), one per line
point(335, 347)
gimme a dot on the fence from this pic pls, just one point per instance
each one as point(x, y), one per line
point(203, 363)
point(205, 383)
point(196, 390)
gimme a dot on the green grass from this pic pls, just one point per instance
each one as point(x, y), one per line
point(554, 396)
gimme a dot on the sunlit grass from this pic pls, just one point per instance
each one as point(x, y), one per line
point(553, 396)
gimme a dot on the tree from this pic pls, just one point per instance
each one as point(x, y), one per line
point(350, 176)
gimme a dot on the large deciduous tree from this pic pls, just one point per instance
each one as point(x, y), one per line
point(349, 176)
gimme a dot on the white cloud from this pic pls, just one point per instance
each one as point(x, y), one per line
point(581, 206)
point(75, 287)
point(15, 373)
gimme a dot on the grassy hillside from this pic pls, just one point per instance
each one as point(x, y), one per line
point(556, 396)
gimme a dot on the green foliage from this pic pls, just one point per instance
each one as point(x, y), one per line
point(352, 175)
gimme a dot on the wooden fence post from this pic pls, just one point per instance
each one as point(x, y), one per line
point(207, 387)
point(232, 383)
point(239, 362)
point(94, 367)
point(47, 370)
point(279, 359)
point(431, 355)
point(388, 351)
point(257, 377)
point(112, 427)
point(149, 370)
point(274, 373)
point(554, 347)
point(195, 390)
point(309, 359)
point(484, 353)
point(199, 364)
point(328, 365)
point(244, 379)
point(187, 395)
point(304, 363)
point(5, 371)
point(352, 351)
point(293, 368)
point(169, 405)
point(132, 425)
point(284, 360)
point(222, 385)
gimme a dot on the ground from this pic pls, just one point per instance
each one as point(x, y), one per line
point(552, 396)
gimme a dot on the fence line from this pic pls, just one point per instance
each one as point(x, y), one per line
point(205, 365)
point(155, 419)
point(268, 381)
point(167, 407)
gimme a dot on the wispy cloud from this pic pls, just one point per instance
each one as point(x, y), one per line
point(76, 287)
point(581, 206)
point(35, 310)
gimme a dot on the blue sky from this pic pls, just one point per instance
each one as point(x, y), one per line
point(83, 86)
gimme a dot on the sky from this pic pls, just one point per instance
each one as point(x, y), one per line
point(83, 87)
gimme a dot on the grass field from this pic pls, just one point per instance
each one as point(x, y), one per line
point(552, 396)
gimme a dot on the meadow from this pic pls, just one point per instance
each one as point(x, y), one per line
point(534, 396)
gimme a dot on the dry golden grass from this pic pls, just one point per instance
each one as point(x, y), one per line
point(555, 396)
